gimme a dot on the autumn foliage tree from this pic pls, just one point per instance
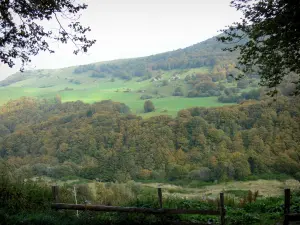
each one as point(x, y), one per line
point(104, 140)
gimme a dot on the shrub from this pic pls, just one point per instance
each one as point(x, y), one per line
point(113, 193)
point(144, 97)
point(253, 94)
point(18, 196)
point(148, 106)
point(144, 174)
point(242, 84)
point(203, 174)
point(178, 92)
point(229, 98)
point(98, 75)
point(165, 83)
point(297, 176)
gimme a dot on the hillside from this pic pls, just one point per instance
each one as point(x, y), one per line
point(194, 76)
point(104, 140)
point(55, 137)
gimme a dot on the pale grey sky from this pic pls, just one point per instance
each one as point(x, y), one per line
point(133, 28)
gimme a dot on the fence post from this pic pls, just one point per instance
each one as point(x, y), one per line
point(222, 208)
point(55, 194)
point(159, 197)
point(287, 205)
point(75, 196)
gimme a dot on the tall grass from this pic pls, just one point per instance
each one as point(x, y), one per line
point(27, 202)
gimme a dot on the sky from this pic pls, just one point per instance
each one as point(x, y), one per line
point(134, 28)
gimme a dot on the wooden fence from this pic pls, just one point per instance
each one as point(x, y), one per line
point(161, 211)
point(288, 216)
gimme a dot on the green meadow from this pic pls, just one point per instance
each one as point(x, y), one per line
point(168, 105)
point(48, 84)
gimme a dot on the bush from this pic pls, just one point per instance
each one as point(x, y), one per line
point(229, 98)
point(144, 97)
point(203, 174)
point(214, 93)
point(148, 106)
point(98, 75)
point(253, 94)
point(178, 92)
point(231, 91)
point(113, 193)
point(18, 196)
point(144, 174)
point(239, 216)
point(242, 84)
point(297, 176)
point(158, 174)
point(165, 83)
point(177, 172)
point(61, 171)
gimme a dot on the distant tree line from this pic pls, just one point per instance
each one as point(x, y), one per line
point(206, 54)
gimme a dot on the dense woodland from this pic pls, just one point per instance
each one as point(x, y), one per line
point(105, 141)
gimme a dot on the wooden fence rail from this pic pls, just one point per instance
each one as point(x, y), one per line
point(104, 208)
point(161, 211)
point(288, 216)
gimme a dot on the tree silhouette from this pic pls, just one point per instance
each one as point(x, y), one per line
point(268, 38)
point(23, 36)
point(148, 106)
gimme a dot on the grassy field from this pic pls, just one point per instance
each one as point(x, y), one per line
point(49, 83)
point(168, 105)
point(266, 188)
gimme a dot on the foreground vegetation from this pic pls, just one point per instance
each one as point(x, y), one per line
point(29, 203)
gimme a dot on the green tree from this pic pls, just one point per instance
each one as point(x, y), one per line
point(178, 92)
point(242, 84)
point(21, 40)
point(241, 165)
point(203, 174)
point(165, 83)
point(148, 106)
point(268, 38)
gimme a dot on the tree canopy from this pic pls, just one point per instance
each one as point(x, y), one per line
point(103, 140)
point(23, 35)
point(268, 38)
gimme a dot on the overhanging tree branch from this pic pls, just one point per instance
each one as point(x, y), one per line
point(273, 40)
point(25, 39)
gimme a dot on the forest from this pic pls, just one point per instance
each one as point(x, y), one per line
point(105, 141)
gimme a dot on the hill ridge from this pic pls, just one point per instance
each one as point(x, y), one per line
point(197, 75)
